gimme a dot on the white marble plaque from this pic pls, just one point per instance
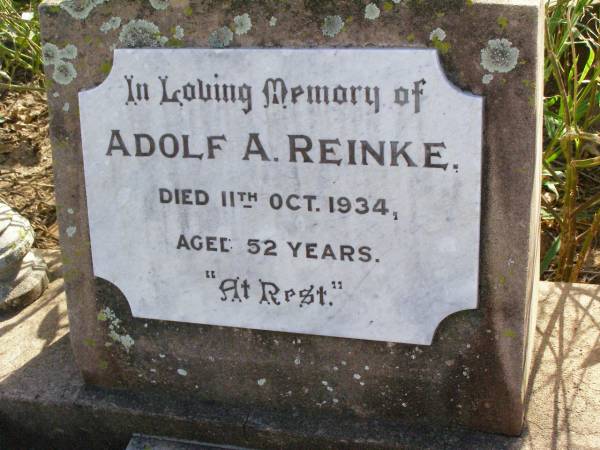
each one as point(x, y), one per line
point(333, 192)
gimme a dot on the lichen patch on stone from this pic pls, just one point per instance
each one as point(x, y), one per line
point(68, 52)
point(159, 4)
point(220, 38)
point(372, 11)
point(332, 25)
point(64, 72)
point(499, 56)
point(111, 24)
point(179, 33)
point(437, 34)
point(115, 331)
point(80, 9)
point(141, 33)
point(50, 54)
point(242, 24)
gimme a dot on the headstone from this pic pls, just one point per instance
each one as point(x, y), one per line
point(23, 273)
point(311, 208)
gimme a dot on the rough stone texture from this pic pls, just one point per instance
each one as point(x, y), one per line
point(5, 217)
point(143, 442)
point(26, 333)
point(44, 403)
point(22, 271)
point(474, 373)
point(28, 284)
point(16, 239)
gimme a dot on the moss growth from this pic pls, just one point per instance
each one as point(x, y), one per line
point(443, 47)
point(509, 333)
point(434, 7)
point(174, 43)
point(105, 67)
point(89, 342)
point(50, 9)
point(333, 7)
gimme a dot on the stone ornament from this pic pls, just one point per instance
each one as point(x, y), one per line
point(23, 276)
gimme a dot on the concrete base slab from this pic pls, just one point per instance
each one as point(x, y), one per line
point(143, 442)
point(44, 403)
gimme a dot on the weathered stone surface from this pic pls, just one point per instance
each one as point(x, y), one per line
point(28, 284)
point(143, 442)
point(44, 403)
point(16, 238)
point(5, 216)
point(27, 332)
point(22, 272)
point(473, 374)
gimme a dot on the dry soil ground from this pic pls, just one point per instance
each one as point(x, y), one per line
point(26, 182)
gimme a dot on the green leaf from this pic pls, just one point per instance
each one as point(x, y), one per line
point(550, 254)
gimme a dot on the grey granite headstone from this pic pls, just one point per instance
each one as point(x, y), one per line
point(242, 224)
